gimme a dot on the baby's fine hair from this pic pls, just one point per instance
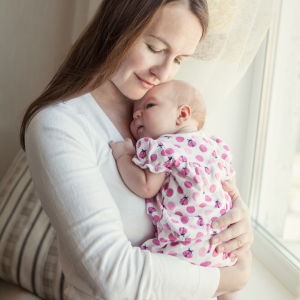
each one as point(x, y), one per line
point(188, 95)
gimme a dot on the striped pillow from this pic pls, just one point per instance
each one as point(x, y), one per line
point(28, 242)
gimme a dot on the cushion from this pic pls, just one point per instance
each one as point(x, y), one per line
point(28, 242)
point(10, 291)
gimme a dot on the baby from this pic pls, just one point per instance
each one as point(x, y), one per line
point(183, 168)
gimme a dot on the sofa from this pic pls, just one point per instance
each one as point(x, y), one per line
point(10, 291)
point(29, 264)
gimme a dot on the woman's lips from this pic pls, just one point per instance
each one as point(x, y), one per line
point(146, 84)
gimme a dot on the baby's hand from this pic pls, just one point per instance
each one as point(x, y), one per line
point(122, 148)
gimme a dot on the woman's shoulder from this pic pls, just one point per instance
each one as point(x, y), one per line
point(63, 119)
point(65, 114)
point(61, 112)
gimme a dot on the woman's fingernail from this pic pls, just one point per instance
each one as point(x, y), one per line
point(232, 255)
point(216, 241)
point(215, 224)
point(221, 249)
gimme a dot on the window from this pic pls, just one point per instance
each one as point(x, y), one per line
point(274, 149)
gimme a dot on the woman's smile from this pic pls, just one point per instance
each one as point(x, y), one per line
point(146, 84)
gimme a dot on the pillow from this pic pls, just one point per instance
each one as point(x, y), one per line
point(28, 242)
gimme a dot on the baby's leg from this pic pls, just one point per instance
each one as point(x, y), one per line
point(229, 296)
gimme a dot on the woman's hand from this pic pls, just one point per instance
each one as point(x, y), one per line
point(235, 278)
point(122, 148)
point(240, 234)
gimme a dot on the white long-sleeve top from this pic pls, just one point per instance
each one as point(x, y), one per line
point(100, 223)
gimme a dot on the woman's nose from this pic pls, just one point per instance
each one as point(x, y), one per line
point(163, 71)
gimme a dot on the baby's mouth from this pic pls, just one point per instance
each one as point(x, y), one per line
point(140, 127)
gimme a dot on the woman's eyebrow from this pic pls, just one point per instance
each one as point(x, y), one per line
point(167, 44)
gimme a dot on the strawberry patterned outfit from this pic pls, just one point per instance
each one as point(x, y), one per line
point(191, 196)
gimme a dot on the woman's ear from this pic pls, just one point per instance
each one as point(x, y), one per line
point(184, 113)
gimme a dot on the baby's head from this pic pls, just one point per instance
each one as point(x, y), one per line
point(166, 109)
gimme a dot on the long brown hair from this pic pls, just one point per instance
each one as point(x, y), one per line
point(99, 51)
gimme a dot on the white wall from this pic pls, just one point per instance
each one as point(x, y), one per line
point(35, 36)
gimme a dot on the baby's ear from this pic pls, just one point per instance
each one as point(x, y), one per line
point(184, 114)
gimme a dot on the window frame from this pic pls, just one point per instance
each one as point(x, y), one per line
point(275, 256)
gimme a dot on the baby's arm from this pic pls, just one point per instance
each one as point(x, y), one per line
point(140, 181)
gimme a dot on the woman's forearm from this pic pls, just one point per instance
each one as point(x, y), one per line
point(235, 278)
point(229, 281)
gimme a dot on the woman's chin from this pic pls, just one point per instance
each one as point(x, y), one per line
point(135, 94)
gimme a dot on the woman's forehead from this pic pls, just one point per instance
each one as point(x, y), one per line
point(177, 27)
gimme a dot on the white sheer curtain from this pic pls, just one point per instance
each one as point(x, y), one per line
point(237, 28)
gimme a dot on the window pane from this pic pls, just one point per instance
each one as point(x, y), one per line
point(278, 192)
point(291, 233)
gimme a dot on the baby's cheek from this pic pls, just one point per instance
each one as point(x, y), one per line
point(133, 130)
point(132, 126)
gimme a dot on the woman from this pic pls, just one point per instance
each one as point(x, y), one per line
point(129, 47)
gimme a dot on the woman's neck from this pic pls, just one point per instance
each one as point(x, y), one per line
point(116, 106)
point(108, 95)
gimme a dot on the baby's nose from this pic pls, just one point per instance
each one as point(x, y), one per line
point(137, 114)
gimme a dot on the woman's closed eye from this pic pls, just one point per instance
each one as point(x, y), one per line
point(159, 51)
point(153, 49)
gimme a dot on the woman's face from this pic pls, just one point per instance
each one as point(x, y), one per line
point(157, 56)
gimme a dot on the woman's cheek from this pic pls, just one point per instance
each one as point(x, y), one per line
point(173, 72)
point(143, 60)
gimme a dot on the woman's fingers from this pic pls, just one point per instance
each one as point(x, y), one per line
point(230, 233)
point(244, 264)
point(239, 235)
point(240, 251)
point(238, 211)
point(236, 214)
point(233, 244)
point(231, 189)
point(241, 225)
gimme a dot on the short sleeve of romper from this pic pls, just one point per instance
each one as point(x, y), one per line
point(155, 155)
point(226, 157)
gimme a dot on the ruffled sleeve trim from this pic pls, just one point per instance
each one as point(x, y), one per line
point(155, 155)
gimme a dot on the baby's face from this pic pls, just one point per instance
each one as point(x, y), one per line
point(155, 114)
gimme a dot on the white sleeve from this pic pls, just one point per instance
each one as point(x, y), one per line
point(63, 165)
